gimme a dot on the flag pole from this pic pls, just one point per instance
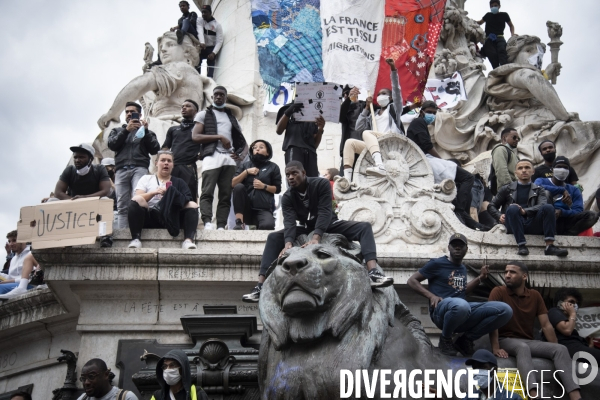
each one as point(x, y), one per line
point(372, 114)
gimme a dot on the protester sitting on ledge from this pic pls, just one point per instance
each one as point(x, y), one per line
point(175, 379)
point(84, 179)
point(567, 200)
point(29, 264)
point(163, 201)
point(387, 117)
point(516, 337)
point(307, 208)
point(254, 184)
point(187, 22)
point(448, 308)
point(13, 280)
point(525, 209)
point(96, 379)
point(563, 317)
point(486, 379)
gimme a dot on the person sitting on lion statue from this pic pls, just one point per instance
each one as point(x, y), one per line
point(308, 200)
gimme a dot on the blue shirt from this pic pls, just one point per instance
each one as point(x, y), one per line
point(557, 193)
point(445, 278)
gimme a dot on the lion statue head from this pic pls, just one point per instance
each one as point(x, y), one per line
point(320, 315)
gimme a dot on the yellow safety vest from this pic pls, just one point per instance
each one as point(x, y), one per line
point(192, 393)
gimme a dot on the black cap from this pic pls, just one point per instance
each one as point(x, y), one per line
point(483, 356)
point(561, 160)
point(458, 236)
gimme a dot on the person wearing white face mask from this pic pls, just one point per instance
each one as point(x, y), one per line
point(494, 47)
point(571, 219)
point(174, 377)
point(387, 118)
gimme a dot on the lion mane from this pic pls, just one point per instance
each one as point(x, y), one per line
point(320, 315)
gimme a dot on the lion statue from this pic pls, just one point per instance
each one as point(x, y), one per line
point(320, 315)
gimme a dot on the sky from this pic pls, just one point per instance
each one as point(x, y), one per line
point(64, 61)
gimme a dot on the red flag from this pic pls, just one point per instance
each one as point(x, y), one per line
point(410, 35)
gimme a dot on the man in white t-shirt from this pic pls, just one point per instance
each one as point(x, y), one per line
point(222, 142)
point(13, 280)
point(387, 118)
point(210, 34)
point(95, 377)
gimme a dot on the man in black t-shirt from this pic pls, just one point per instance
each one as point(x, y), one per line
point(494, 47)
point(301, 138)
point(83, 180)
point(548, 151)
point(184, 149)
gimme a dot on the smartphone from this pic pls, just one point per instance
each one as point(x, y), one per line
point(168, 184)
point(135, 116)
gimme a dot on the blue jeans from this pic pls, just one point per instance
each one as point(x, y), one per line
point(7, 287)
point(543, 223)
point(126, 179)
point(455, 315)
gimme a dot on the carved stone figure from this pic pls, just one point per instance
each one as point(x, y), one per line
point(162, 89)
point(517, 95)
point(148, 53)
point(320, 315)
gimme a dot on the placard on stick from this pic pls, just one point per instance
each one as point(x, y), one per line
point(66, 222)
point(319, 98)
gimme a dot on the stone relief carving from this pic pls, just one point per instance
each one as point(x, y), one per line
point(405, 205)
point(515, 95)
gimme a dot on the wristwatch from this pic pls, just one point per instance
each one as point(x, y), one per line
point(265, 188)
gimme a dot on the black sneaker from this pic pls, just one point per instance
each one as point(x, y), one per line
point(378, 279)
point(552, 250)
point(254, 296)
point(465, 346)
point(239, 225)
point(179, 34)
point(523, 250)
point(447, 347)
point(106, 241)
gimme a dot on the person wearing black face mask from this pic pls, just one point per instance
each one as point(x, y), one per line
point(567, 201)
point(254, 184)
point(185, 150)
point(548, 151)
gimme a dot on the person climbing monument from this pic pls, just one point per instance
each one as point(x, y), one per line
point(494, 47)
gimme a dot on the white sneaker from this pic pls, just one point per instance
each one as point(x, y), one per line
point(188, 245)
point(13, 293)
point(221, 229)
point(135, 244)
point(376, 171)
point(208, 226)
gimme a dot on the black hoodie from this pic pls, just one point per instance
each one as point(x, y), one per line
point(186, 377)
point(268, 173)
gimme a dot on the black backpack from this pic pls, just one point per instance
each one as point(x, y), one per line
point(492, 179)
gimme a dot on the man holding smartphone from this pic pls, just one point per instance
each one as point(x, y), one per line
point(133, 147)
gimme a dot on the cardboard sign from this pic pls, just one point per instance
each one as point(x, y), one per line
point(588, 321)
point(66, 222)
point(319, 99)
